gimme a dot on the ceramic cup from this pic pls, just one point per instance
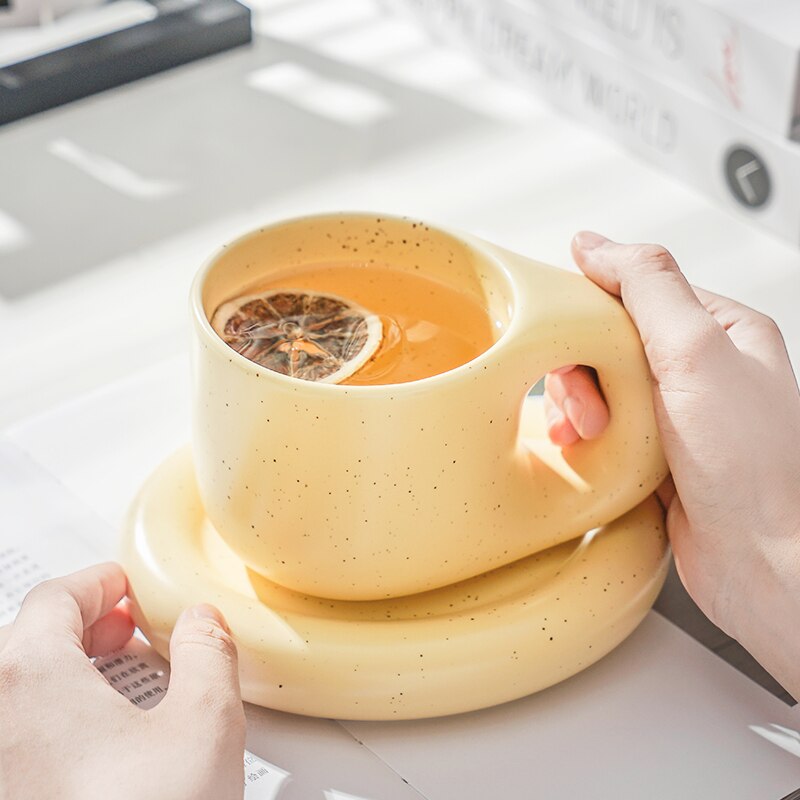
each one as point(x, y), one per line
point(366, 492)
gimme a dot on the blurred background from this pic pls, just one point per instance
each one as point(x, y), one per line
point(136, 136)
point(228, 116)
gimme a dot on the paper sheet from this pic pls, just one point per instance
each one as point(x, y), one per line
point(140, 674)
point(35, 547)
point(18, 573)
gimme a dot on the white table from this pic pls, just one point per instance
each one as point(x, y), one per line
point(95, 386)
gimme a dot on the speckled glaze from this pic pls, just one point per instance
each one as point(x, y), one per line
point(486, 640)
point(367, 492)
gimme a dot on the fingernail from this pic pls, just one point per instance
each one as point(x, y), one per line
point(206, 611)
point(575, 409)
point(588, 240)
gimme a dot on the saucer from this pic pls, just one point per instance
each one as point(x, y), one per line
point(476, 643)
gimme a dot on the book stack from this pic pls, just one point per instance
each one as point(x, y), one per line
point(93, 49)
point(705, 89)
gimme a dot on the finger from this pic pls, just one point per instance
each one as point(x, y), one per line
point(666, 492)
point(5, 632)
point(672, 321)
point(726, 311)
point(204, 666)
point(60, 610)
point(752, 332)
point(559, 429)
point(577, 395)
point(109, 633)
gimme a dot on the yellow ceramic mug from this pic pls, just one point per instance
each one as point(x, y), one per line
point(366, 492)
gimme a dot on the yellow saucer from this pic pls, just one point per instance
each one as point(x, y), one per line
point(483, 641)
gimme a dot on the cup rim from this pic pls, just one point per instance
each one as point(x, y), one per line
point(212, 337)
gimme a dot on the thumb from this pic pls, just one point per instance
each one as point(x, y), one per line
point(204, 668)
point(677, 331)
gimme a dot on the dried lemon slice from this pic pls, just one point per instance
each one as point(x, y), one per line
point(308, 335)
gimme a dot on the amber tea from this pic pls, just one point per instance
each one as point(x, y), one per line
point(356, 324)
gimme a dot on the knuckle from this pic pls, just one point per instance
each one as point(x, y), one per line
point(211, 635)
point(653, 257)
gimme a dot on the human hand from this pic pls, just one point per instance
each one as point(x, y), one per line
point(728, 412)
point(66, 733)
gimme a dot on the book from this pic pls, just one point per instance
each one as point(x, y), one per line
point(744, 167)
point(743, 57)
point(138, 42)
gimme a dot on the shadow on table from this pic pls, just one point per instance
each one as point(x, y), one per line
point(675, 604)
point(86, 183)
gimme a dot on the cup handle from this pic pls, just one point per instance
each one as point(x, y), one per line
point(563, 319)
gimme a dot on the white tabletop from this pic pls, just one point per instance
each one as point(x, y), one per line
point(95, 386)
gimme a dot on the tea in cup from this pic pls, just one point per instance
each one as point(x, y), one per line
point(355, 324)
point(358, 388)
